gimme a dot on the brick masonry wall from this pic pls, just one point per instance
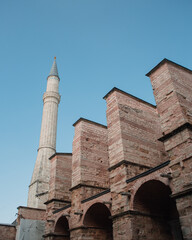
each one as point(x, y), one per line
point(172, 86)
point(60, 177)
point(89, 233)
point(122, 228)
point(184, 206)
point(76, 222)
point(106, 157)
point(150, 228)
point(31, 213)
point(132, 227)
point(133, 130)
point(90, 155)
point(7, 232)
point(128, 226)
point(60, 183)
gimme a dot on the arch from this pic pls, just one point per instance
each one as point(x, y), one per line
point(157, 213)
point(62, 229)
point(98, 218)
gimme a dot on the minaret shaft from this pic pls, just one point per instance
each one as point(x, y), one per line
point(39, 186)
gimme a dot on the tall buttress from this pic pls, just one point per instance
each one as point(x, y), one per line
point(39, 186)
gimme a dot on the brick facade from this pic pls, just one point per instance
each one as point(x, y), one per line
point(7, 232)
point(131, 179)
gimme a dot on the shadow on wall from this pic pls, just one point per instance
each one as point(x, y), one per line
point(158, 217)
point(97, 217)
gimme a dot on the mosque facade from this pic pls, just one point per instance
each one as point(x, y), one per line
point(128, 180)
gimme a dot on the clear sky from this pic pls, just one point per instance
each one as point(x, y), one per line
point(99, 44)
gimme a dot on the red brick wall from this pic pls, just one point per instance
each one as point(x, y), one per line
point(60, 177)
point(89, 233)
point(90, 156)
point(139, 228)
point(7, 232)
point(172, 86)
point(133, 130)
point(150, 228)
point(31, 213)
point(123, 228)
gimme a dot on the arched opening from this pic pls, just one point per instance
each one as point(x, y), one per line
point(62, 229)
point(98, 222)
point(157, 216)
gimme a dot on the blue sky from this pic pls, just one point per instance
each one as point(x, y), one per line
point(99, 44)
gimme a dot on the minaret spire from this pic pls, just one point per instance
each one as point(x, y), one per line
point(54, 71)
point(38, 189)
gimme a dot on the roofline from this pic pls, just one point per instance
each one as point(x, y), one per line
point(89, 121)
point(60, 154)
point(128, 94)
point(7, 225)
point(165, 60)
point(38, 209)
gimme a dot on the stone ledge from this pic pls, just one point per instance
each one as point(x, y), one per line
point(133, 212)
point(129, 95)
point(55, 235)
point(175, 131)
point(86, 185)
point(7, 225)
point(148, 172)
point(38, 209)
point(84, 227)
point(89, 121)
point(60, 154)
point(96, 196)
point(56, 200)
point(126, 163)
point(61, 209)
point(182, 193)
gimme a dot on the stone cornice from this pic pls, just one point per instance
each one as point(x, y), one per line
point(86, 185)
point(31, 208)
point(89, 121)
point(175, 131)
point(60, 154)
point(95, 196)
point(182, 193)
point(148, 172)
point(132, 212)
point(129, 95)
point(57, 200)
point(125, 162)
point(165, 60)
point(61, 209)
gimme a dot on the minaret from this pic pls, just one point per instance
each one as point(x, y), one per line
point(38, 189)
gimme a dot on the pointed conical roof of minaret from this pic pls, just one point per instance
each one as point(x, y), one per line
point(54, 71)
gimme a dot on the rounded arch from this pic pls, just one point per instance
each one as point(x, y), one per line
point(157, 211)
point(135, 187)
point(62, 228)
point(98, 217)
point(153, 197)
